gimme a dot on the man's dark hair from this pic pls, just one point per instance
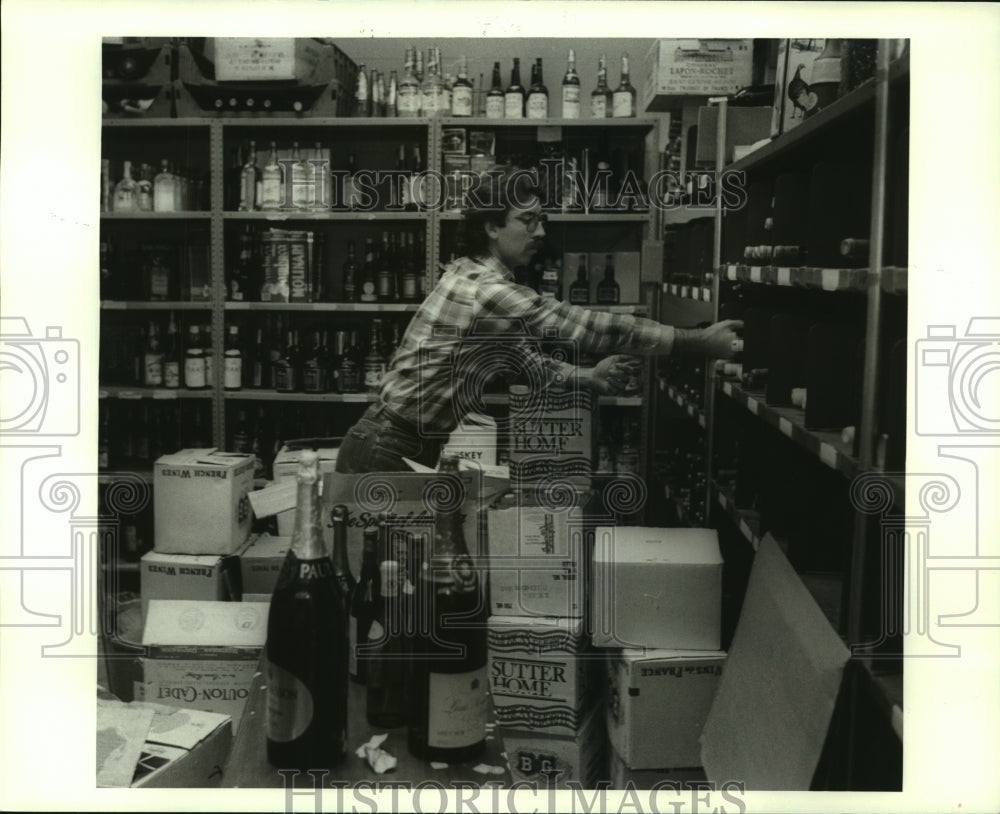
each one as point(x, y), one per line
point(501, 188)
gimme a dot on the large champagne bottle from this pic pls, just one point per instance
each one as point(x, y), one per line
point(306, 652)
point(449, 704)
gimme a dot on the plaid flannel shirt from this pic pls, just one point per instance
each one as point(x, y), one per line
point(478, 323)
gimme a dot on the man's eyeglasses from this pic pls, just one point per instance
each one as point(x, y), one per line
point(532, 220)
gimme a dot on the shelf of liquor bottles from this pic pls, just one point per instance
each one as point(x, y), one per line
point(125, 393)
point(893, 279)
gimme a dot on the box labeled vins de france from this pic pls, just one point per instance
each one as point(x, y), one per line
point(260, 563)
point(202, 655)
point(538, 556)
point(200, 503)
point(549, 761)
point(658, 701)
point(656, 587)
point(541, 673)
point(188, 576)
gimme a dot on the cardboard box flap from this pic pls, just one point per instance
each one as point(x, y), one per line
point(185, 457)
point(174, 622)
point(198, 560)
point(638, 544)
point(780, 683)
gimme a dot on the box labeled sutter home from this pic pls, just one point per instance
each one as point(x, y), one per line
point(202, 655)
point(658, 701)
point(656, 587)
point(260, 563)
point(541, 673)
point(188, 576)
point(200, 503)
point(538, 556)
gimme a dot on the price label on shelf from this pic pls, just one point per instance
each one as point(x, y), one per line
point(785, 426)
point(752, 405)
point(830, 279)
point(828, 455)
point(784, 276)
point(755, 272)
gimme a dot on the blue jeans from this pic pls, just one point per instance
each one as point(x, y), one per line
point(380, 440)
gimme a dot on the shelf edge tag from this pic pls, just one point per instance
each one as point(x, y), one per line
point(830, 279)
point(785, 426)
point(828, 454)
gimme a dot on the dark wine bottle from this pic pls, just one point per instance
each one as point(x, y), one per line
point(306, 651)
point(449, 704)
point(387, 702)
point(366, 596)
point(341, 565)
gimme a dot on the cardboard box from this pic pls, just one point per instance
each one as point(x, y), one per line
point(200, 503)
point(538, 557)
point(475, 440)
point(541, 673)
point(551, 436)
point(202, 655)
point(693, 67)
point(656, 587)
point(176, 748)
point(188, 576)
point(626, 275)
point(621, 776)
point(772, 711)
point(744, 126)
point(286, 464)
point(658, 701)
point(542, 759)
point(260, 564)
point(795, 60)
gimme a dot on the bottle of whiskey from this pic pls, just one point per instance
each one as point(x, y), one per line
point(314, 366)
point(368, 290)
point(249, 179)
point(571, 89)
point(461, 91)
point(350, 367)
point(579, 289)
point(208, 352)
point(232, 363)
point(374, 365)
point(144, 189)
point(303, 180)
point(513, 98)
point(194, 361)
point(538, 94)
point(387, 705)
point(258, 366)
point(391, 92)
point(431, 87)
point(408, 284)
point(270, 177)
point(600, 97)
point(608, 292)
point(363, 604)
point(243, 272)
point(306, 651)
point(153, 358)
point(495, 96)
point(172, 356)
point(386, 280)
point(350, 274)
point(623, 101)
point(125, 191)
point(285, 369)
point(378, 94)
point(408, 92)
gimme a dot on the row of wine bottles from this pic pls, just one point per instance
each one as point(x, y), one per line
point(422, 668)
point(141, 188)
point(419, 93)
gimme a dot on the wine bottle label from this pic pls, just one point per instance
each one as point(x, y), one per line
point(494, 107)
point(171, 374)
point(373, 377)
point(408, 100)
point(461, 101)
point(607, 296)
point(159, 284)
point(571, 102)
point(456, 712)
point(232, 374)
point(313, 379)
point(513, 106)
point(409, 291)
point(429, 101)
point(289, 705)
point(284, 378)
point(194, 373)
point(154, 370)
point(578, 296)
point(598, 107)
point(270, 193)
point(621, 104)
point(352, 645)
point(538, 106)
point(385, 285)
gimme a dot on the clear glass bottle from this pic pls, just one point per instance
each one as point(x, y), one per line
point(571, 89)
point(431, 88)
point(392, 89)
point(144, 189)
point(495, 95)
point(513, 98)
point(600, 96)
point(232, 363)
point(362, 98)
point(374, 364)
point(408, 92)
point(461, 92)
point(538, 95)
point(125, 191)
point(303, 180)
point(623, 99)
point(306, 655)
point(172, 356)
point(270, 177)
point(153, 362)
point(194, 360)
point(249, 180)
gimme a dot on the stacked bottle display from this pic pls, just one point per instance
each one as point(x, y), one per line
point(156, 185)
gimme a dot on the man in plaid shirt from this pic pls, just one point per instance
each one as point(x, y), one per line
point(479, 321)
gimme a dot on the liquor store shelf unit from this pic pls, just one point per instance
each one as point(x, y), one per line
point(207, 146)
point(743, 428)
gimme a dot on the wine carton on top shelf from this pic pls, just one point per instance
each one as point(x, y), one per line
point(200, 503)
point(694, 67)
point(658, 702)
point(656, 587)
point(541, 673)
point(202, 655)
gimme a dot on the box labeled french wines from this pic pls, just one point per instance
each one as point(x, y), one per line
point(202, 655)
point(200, 503)
point(657, 704)
point(188, 576)
point(551, 436)
point(260, 563)
point(548, 761)
point(541, 673)
point(539, 555)
point(656, 587)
